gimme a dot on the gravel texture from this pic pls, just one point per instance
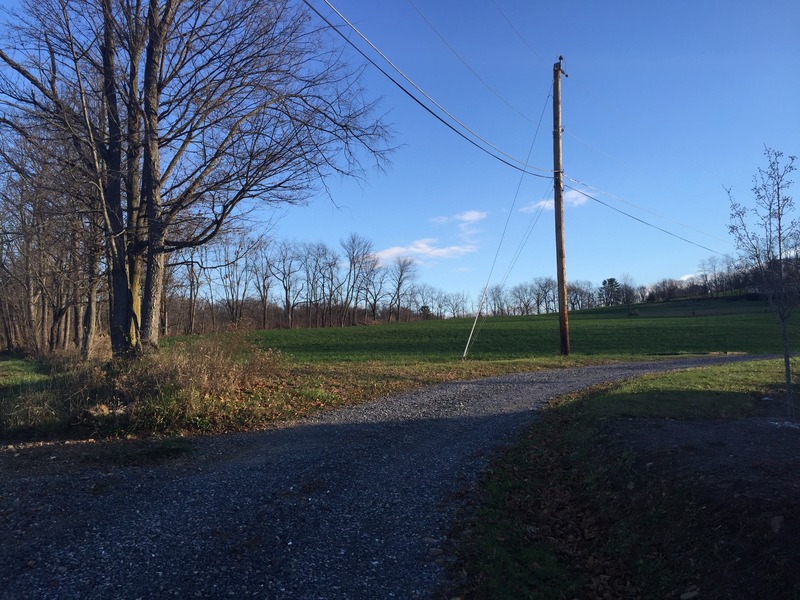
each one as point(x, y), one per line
point(354, 503)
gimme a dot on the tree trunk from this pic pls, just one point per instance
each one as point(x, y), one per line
point(122, 322)
point(151, 174)
point(153, 287)
point(787, 368)
point(89, 320)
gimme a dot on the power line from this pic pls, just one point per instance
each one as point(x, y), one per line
point(643, 209)
point(520, 166)
point(472, 334)
point(516, 31)
point(467, 65)
point(527, 235)
point(661, 229)
point(538, 213)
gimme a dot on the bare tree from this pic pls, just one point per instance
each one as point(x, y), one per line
point(769, 240)
point(456, 304)
point(182, 115)
point(424, 299)
point(359, 253)
point(580, 295)
point(665, 290)
point(375, 284)
point(438, 302)
point(523, 295)
point(320, 265)
point(546, 288)
point(286, 264)
point(233, 257)
point(497, 299)
point(401, 274)
point(262, 277)
point(49, 252)
point(627, 291)
point(191, 268)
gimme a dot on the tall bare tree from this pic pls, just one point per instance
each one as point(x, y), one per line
point(262, 277)
point(234, 256)
point(546, 291)
point(497, 299)
point(286, 266)
point(359, 254)
point(182, 115)
point(769, 240)
point(375, 287)
point(402, 273)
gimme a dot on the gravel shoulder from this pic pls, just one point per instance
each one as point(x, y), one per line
point(354, 503)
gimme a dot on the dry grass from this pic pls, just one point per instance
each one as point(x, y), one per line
point(211, 385)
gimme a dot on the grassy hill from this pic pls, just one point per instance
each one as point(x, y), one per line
point(687, 326)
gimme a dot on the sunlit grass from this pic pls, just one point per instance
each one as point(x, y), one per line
point(710, 392)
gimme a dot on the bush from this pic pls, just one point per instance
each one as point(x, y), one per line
point(196, 385)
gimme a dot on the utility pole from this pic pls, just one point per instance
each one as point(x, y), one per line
point(558, 187)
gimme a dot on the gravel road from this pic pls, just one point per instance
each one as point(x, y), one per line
point(354, 503)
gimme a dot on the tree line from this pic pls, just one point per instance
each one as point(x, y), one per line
point(240, 281)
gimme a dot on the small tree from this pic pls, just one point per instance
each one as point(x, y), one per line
point(767, 239)
point(627, 292)
point(609, 292)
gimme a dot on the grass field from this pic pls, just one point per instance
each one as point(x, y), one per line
point(249, 380)
point(686, 327)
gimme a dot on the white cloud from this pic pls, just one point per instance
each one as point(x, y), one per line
point(425, 249)
point(472, 216)
point(466, 221)
point(428, 249)
point(536, 206)
point(572, 199)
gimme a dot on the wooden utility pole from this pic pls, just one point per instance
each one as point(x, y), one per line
point(558, 186)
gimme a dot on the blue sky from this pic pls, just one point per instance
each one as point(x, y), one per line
point(666, 104)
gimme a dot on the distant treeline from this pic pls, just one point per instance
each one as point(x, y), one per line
point(244, 282)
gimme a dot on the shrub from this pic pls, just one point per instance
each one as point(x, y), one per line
point(196, 385)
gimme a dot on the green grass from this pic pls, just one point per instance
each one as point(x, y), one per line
point(555, 511)
point(659, 329)
point(241, 381)
point(25, 398)
point(16, 371)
